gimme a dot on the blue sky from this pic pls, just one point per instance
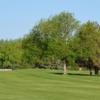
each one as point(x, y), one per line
point(17, 17)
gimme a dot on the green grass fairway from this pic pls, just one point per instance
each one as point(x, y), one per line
point(48, 85)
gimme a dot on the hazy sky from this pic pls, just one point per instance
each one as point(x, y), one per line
point(17, 17)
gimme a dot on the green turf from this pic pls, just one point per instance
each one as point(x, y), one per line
point(48, 85)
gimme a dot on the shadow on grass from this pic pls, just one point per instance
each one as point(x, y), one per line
point(57, 73)
point(71, 74)
point(78, 74)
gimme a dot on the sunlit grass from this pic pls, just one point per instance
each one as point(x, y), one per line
point(48, 85)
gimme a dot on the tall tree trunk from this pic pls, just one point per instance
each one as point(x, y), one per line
point(90, 71)
point(90, 65)
point(96, 69)
point(65, 67)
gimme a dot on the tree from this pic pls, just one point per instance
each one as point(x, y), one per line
point(88, 45)
point(10, 53)
point(51, 37)
point(65, 26)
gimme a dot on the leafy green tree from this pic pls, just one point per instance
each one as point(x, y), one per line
point(10, 53)
point(51, 38)
point(88, 44)
point(65, 26)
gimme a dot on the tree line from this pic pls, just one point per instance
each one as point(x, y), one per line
point(58, 42)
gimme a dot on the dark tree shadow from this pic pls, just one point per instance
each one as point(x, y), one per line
point(57, 73)
point(71, 74)
point(78, 74)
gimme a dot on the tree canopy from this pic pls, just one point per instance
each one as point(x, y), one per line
point(54, 42)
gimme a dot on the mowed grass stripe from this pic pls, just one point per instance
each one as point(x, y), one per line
point(46, 85)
